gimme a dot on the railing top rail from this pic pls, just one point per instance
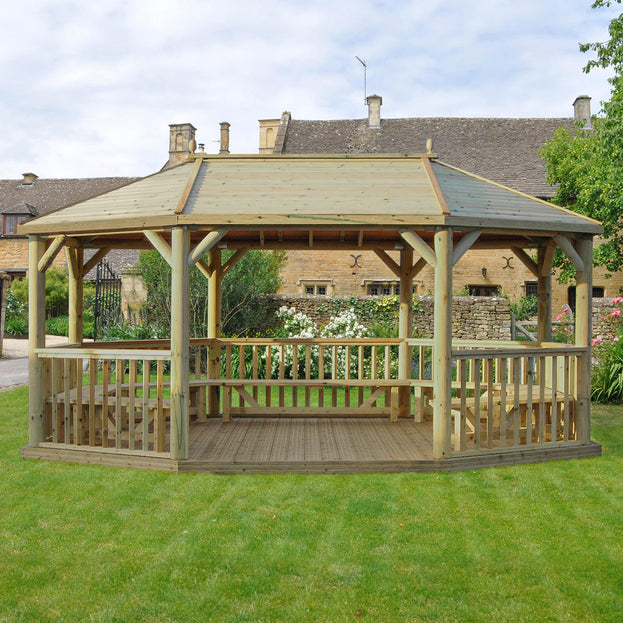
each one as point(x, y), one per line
point(102, 353)
point(493, 353)
point(365, 341)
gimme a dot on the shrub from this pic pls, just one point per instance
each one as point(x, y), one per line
point(15, 326)
point(607, 377)
point(58, 325)
point(526, 307)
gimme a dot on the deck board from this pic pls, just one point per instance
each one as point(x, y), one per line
point(311, 445)
point(255, 440)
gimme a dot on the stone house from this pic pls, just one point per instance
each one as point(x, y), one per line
point(30, 196)
point(504, 150)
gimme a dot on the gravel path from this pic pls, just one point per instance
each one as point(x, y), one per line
point(14, 361)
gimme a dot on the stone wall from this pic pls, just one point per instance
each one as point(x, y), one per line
point(604, 324)
point(473, 317)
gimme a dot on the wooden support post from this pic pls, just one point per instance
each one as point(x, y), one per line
point(180, 338)
point(404, 327)
point(36, 339)
point(214, 327)
point(75, 263)
point(583, 337)
point(545, 258)
point(442, 349)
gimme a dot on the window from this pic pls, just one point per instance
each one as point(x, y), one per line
point(532, 288)
point(382, 288)
point(10, 223)
point(316, 287)
point(598, 292)
point(484, 290)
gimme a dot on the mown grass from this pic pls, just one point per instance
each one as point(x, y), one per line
point(530, 543)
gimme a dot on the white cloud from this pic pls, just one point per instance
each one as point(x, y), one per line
point(89, 88)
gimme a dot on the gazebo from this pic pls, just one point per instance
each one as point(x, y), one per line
point(224, 404)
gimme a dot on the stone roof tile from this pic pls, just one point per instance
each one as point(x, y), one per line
point(500, 149)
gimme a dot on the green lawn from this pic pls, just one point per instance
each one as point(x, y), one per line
point(530, 543)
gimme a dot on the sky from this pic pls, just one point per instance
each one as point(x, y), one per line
point(88, 88)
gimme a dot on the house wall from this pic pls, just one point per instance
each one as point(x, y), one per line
point(338, 270)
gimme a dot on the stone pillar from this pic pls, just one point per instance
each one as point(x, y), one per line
point(5, 282)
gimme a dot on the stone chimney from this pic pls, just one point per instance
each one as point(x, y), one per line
point(181, 142)
point(582, 111)
point(224, 137)
point(28, 179)
point(268, 134)
point(374, 111)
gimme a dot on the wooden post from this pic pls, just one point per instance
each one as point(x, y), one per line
point(75, 263)
point(180, 338)
point(36, 339)
point(404, 327)
point(583, 337)
point(544, 326)
point(214, 326)
point(442, 350)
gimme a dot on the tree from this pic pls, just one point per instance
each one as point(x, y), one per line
point(588, 163)
point(243, 311)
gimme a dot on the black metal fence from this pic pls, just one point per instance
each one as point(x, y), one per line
point(107, 306)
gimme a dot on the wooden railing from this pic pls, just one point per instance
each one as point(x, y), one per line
point(95, 398)
point(116, 395)
point(299, 376)
point(511, 397)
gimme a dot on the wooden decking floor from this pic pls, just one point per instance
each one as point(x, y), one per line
point(265, 445)
point(314, 445)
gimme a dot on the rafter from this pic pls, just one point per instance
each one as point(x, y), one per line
point(418, 245)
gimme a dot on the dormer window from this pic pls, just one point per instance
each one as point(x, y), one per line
point(15, 215)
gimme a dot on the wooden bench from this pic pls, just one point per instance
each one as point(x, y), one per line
point(365, 409)
point(503, 406)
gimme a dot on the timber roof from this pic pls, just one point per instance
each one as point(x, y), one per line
point(299, 194)
point(500, 149)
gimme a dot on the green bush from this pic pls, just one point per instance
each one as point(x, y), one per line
point(15, 326)
point(59, 325)
point(607, 377)
point(525, 308)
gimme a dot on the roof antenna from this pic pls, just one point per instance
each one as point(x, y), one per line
point(365, 69)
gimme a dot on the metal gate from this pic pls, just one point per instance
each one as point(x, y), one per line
point(107, 307)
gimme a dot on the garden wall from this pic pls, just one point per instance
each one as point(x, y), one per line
point(473, 317)
point(604, 324)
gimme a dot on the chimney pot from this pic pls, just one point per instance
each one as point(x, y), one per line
point(28, 179)
point(582, 111)
point(374, 111)
point(224, 137)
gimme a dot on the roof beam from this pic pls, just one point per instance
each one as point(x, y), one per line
point(417, 267)
point(52, 251)
point(181, 204)
point(570, 252)
point(233, 260)
point(205, 245)
point(526, 260)
point(414, 241)
point(393, 266)
point(465, 244)
point(160, 244)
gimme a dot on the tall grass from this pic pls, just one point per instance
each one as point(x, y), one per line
point(527, 543)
